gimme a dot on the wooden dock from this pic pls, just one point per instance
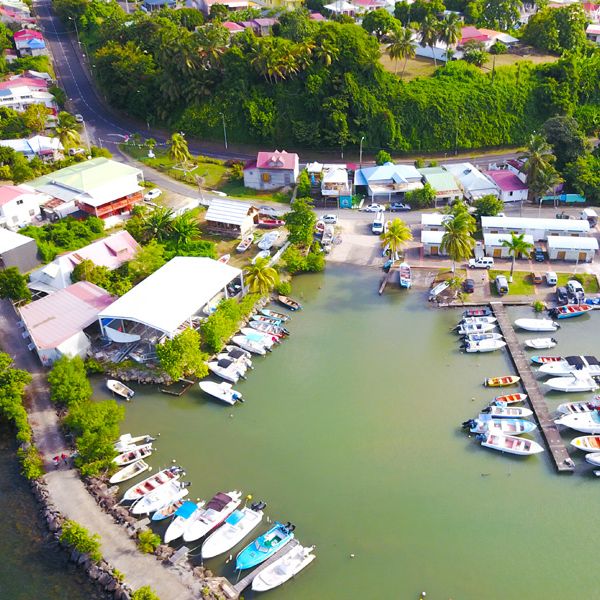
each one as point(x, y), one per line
point(558, 450)
point(387, 278)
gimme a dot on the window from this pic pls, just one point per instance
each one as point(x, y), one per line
point(266, 177)
point(510, 193)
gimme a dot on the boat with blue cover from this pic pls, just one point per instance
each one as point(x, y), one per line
point(176, 509)
point(265, 546)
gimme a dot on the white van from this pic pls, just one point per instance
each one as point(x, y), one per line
point(501, 285)
point(378, 224)
point(485, 262)
point(551, 278)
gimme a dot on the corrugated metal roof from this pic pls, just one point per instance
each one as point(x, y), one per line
point(496, 239)
point(561, 242)
point(533, 223)
point(432, 237)
point(231, 212)
point(10, 240)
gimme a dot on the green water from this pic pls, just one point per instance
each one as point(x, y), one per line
point(351, 430)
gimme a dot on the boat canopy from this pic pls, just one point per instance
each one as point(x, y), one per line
point(224, 363)
point(186, 509)
point(219, 501)
point(576, 361)
point(235, 517)
point(592, 360)
point(236, 353)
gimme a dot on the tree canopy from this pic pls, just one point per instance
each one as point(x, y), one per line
point(181, 356)
point(300, 222)
point(13, 285)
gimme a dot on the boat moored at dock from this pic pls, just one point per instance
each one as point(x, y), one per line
point(265, 546)
point(502, 381)
point(283, 569)
point(510, 444)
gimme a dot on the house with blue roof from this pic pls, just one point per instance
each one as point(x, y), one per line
point(388, 181)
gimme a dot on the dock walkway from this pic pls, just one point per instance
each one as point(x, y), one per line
point(560, 456)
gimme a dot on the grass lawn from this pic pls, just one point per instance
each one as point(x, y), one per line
point(587, 280)
point(520, 286)
point(237, 189)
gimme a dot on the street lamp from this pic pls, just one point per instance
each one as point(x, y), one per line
point(76, 30)
point(362, 139)
point(224, 130)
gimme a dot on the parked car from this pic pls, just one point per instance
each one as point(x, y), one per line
point(562, 296)
point(536, 278)
point(468, 286)
point(269, 211)
point(399, 206)
point(538, 254)
point(562, 215)
point(331, 219)
point(76, 151)
point(373, 208)
point(575, 289)
point(78, 118)
point(501, 285)
point(551, 278)
point(152, 194)
point(485, 262)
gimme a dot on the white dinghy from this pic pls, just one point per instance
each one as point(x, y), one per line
point(537, 324)
point(160, 497)
point(574, 383)
point(485, 346)
point(250, 345)
point(540, 343)
point(129, 472)
point(222, 391)
point(510, 444)
point(588, 422)
point(283, 569)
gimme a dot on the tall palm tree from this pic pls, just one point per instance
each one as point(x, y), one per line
point(184, 229)
point(397, 235)
point(428, 32)
point(67, 130)
point(457, 240)
point(260, 277)
point(449, 31)
point(547, 179)
point(539, 158)
point(178, 148)
point(157, 224)
point(516, 245)
point(401, 47)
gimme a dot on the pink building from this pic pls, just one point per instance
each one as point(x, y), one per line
point(510, 187)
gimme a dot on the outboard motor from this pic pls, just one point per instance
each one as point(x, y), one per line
point(480, 437)
point(485, 410)
point(467, 424)
point(258, 505)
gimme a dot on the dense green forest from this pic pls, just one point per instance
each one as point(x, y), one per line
point(320, 84)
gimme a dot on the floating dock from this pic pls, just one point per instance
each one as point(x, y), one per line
point(558, 450)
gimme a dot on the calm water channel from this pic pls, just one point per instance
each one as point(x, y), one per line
point(351, 430)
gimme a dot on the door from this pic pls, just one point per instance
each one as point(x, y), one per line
point(497, 252)
point(560, 255)
point(434, 250)
point(582, 256)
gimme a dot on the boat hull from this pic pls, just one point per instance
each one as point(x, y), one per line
point(512, 445)
point(228, 536)
point(283, 570)
point(129, 472)
point(540, 343)
point(502, 381)
point(587, 443)
point(536, 324)
point(582, 422)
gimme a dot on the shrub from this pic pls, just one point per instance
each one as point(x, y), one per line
point(32, 465)
point(284, 288)
point(538, 306)
point(148, 541)
point(144, 593)
point(181, 356)
point(68, 381)
point(382, 157)
point(78, 537)
point(303, 189)
point(93, 366)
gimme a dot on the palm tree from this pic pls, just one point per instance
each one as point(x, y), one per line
point(178, 149)
point(397, 235)
point(260, 277)
point(67, 130)
point(157, 225)
point(516, 245)
point(547, 179)
point(449, 31)
point(539, 158)
point(401, 47)
point(429, 35)
point(457, 241)
point(184, 229)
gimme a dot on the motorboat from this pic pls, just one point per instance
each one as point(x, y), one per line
point(508, 412)
point(182, 515)
point(587, 422)
point(270, 223)
point(478, 337)
point(267, 312)
point(237, 526)
point(593, 458)
point(289, 302)
point(574, 383)
point(588, 365)
point(587, 443)
point(265, 319)
point(152, 483)
point(477, 312)
point(222, 391)
point(266, 241)
point(224, 259)
point(159, 498)
point(569, 310)
point(210, 517)
point(484, 346)
point(174, 508)
point(269, 329)
point(229, 370)
point(477, 320)
point(405, 275)
point(268, 340)
point(469, 328)
point(537, 324)
point(542, 360)
point(129, 472)
point(541, 343)
point(262, 254)
point(437, 290)
point(510, 398)
point(283, 569)
point(510, 444)
point(120, 389)
point(244, 244)
point(485, 423)
point(265, 546)
point(238, 355)
point(501, 381)
point(133, 455)
point(250, 345)
point(128, 442)
point(567, 408)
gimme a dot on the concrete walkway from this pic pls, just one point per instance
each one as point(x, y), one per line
point(67, 492)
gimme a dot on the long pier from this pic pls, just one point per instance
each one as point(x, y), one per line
point(558, 450)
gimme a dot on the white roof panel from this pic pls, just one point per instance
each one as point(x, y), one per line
point(434, 218)
point(496, 239)
point(10, 240)
point(232, 212)
point(432, 237)
point(581, 226)
point(561, 242)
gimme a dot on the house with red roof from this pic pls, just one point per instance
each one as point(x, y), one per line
point(19, 205)
point(272, 170)
point(593, 32)
point(231, 5)
point(233, 27)
point(29, 42)
point(472, 34)
point(510, 187)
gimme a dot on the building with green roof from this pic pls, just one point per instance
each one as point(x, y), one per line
point(447, 189)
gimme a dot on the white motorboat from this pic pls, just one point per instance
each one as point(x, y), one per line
point(160, 497)
point(478, 337)
point(568, 408)
point(249, 345)
point(587, 443)
point(236, 527)
point(152, 483)
point(508, 412)
point(129, 472)
point(222, 391)
point(285, 568)
point(588, 422)
point(119, 388)
point(229, 370)
point(484, 346)
point(134, 454)
point(265, 339)
point(238, 355)
point(182, 515)
point(593, 458)
point(485, 423)
point(573, 383)
point(540, 343)
point(478, 320)
point(470, 328)
point(510, 444)
point(262, 254)
point(537, 324)
point(128, 442)
point(584, 365)
point(405, 275)
point(216, 511)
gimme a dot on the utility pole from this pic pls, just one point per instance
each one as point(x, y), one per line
point(224, 130)
point(76, 30)
point(362, 139)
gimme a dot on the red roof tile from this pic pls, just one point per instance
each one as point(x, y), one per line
point(507, 181)
point(276, 160)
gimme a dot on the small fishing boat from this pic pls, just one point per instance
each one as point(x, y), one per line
point(249, 345)
point(274, 314)
point(501, 381)
point(477, 312)
point(172, 509)
point(537, 324)
point(283, 569)
point(133, 455)
point(477, 320)
point(478, 337)
point(469, 328)
point(159, 498)
point(587, 443)
point(574, 383)
point(593, 458)
point(227, 369)
point(120, 389)
point(269, 329)
point(244, 244)
point(587, 422)
point(236, 527)
point(405, 275)
point(587, 365)
point(508, 412)
point(224, 259)
point(152, 483)
point(266, 339)
point(129, 472)
point(569, 310)
point(128, 442)
point(207, 519)
point(592, 302)
point(180, 518)
point(510, 444)
point(289, 303)
point(265, 319)
point(222, 391)
point(485, 423)
point(484, 346)
point(543, 360)
point(541, 343)
point(266, 241)
point(265, 546)
point(510, 398)
point(267, 223)
point(262, 254)
point(238, 355)
point(567, 408)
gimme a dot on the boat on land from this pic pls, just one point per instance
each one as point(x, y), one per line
point(120, 389)
point(573, 383)
point(567, 408)
point(573, 364)
point(207, 519)
point(587, 443)
point(587, 422)
point(237, 354)
point(283, 569)
point(510, 398)
point(485, 423)
point(543, 360)
point(478, 337)
point(174, 508)
point(269, 329)
point(569, 310)
point(289, 303)
point(128, 442)
point(129, 472)
point(501, 381)
point(133, 455)
point(267, 240)
point(510, 444)
point(270, 223)
point(182, 515)
point(237, 526)
point(265, 319)
point(593, 458)
point(469, 328)
point(405, 275)
point(159, 498)
point(265, 339)
point(265, 546)
point(267, 312)
point(541, 343)
point(484, 346)
point(227, 369)
point(250, 345)
point(152, 483)
point(477, 312)
point(244, 244)
point(262, 254)
point(537, 324)
point(477, 320)
point(508, 412)
point(224, 259)
point(222, 391)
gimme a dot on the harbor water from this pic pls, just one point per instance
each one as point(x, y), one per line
point(351, 430)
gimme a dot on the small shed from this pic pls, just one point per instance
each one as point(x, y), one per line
point(432, 242)
point(434, 221)
point(493, 244)
point(17, 250)
point(580, 249)
point(231, 218)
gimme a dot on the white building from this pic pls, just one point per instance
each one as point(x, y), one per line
point(432, 242)
point(434, 221)
point(231, 218)
point(473, 182)
point(494, 247)
point(19, 205)
point(388, 181)
point(272, 170)
point(580, 249)
point(539, 229)
point(20, 97)
point(45, 148)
